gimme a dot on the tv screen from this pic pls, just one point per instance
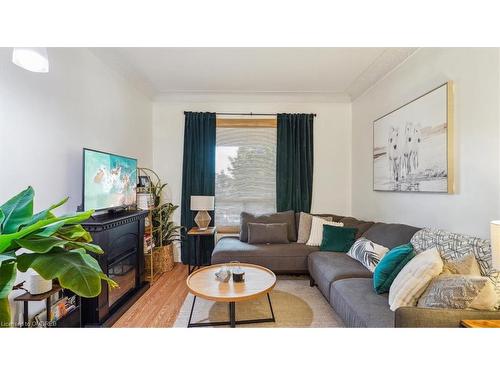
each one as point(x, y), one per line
point(109, 181)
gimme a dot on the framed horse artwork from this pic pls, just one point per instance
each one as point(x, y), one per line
point(413, 145)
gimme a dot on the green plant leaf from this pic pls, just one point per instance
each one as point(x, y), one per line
point(40, 244)
point(7, 256)
point(45, 214)
point(7, 240)
point(71, 268)
point(2, 217)
point(50, 230)
point(74, 233)
point(7, 278)
point(93, 248)
point(4, 313)
point(17, 210)
point(92, 262)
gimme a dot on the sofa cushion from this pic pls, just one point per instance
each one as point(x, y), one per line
point(459, 292)
point(361, 226)
point(267, 233)
point(414, 278)
point(327, 267)
point(304, 227)
point(337, 239)
point(367, 253)
point(277, 257)
point(390, 235)
point(316, 235)
point(466, 265)
point(278, 217)
point(333, 216)
point(358, 305)
point(389, 267)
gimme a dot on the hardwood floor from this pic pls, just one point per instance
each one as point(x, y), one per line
point(159, 306)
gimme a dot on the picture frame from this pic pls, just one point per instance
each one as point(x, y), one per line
point(413, 145)
point(144, 182)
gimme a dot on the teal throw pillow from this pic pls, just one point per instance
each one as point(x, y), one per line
point(390, 265)
point(339, 239)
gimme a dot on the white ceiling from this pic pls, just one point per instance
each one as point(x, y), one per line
point(339, 71)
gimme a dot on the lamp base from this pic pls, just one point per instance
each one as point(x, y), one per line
point(202, 219)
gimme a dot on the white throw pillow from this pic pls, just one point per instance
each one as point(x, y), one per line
point(316, 235)
point(368, 253)
point(414, 278)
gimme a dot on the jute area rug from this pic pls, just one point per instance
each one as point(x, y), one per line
point(295, 304)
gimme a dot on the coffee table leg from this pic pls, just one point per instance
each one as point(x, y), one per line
point(271, 307)
point(191, 313)
point(232, 317)
point(232, 314)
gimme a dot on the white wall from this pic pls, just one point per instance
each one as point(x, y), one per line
point(46, 120)
point(331, 185)
point(475, 73)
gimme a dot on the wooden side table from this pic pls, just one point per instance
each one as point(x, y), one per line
point(480, 323)
point(197, 233)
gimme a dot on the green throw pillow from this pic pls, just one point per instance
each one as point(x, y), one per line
point(390, 265)
point(339, 239)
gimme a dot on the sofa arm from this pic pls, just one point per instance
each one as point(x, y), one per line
point(428, 317)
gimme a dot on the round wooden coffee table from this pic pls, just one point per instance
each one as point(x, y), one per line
point(258, 281)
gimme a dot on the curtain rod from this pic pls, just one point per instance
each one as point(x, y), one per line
point(247, 114)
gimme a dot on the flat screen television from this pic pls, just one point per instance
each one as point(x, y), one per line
point(109, 180)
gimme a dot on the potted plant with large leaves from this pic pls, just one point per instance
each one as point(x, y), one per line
point(165, 232)
point(58, 249)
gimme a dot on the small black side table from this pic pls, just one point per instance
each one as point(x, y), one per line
point(198, 233)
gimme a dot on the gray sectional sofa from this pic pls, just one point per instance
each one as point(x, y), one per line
point(343, 281)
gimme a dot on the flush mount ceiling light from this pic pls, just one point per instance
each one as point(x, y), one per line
point(33, 59)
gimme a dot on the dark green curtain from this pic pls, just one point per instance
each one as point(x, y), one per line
point(198, 176)
point(294, 162)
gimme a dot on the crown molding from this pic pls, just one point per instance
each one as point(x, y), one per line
point(252, 96)
point(389, 60)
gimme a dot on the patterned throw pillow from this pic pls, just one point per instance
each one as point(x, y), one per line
point(452, 246)
point(316, 235)
point(459, 292)
point(367, 252)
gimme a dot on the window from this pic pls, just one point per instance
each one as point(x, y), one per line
point(245, 173)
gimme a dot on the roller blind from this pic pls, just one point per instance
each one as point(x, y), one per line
point(245, 173)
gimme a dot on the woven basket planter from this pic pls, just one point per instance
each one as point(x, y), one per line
point(163, 261)
point(165, 258)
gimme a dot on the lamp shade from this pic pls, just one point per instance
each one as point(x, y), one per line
point(34, 59)
point(202, 203)
point(495, 244)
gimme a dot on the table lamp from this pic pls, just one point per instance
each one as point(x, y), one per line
point(202, 204)
point(495, 244)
